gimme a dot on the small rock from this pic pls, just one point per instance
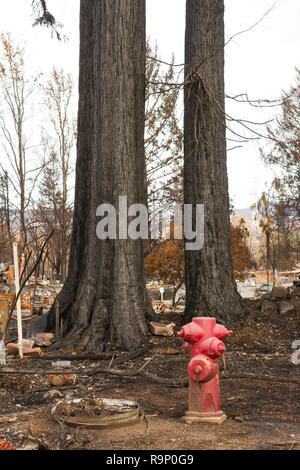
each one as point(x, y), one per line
point(239, 419)
point(43, 339)
point(279, 292)
point(285, 306)
point(52, 394)
point(69, 438)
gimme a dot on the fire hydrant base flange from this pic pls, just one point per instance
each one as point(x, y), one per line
point(193, 417)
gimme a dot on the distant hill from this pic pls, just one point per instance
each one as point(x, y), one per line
point(247, 212)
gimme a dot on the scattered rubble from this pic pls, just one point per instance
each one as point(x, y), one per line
point(160, 307)
point(45, 293)
point(91, 406)
point(281, 299)
point(13, 349)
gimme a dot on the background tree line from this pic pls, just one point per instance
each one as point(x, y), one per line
point(37, 135)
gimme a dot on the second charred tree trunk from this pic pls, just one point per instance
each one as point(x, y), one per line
point(210, 285)
point(104, 301)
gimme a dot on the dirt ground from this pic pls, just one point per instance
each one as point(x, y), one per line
point(260, 414)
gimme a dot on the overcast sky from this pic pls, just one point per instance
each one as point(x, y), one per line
point(260, 62)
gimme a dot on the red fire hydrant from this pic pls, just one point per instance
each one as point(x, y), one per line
point(203, 340)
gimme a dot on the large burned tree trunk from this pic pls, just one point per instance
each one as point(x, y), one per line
point(104, 299)
point(210, 285)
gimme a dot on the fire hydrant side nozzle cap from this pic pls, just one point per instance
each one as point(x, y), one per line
point(211, 346)
point(191, 332)
point(221, 332)
point(202, 368)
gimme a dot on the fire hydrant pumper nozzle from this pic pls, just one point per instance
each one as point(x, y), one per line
point(203, 340)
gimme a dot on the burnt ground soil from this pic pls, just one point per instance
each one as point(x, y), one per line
point(260, 414)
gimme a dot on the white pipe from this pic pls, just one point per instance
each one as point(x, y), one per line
point(19, 313)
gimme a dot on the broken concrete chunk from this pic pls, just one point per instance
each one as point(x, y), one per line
point(159, 329)
point(285, 306)
point(279, 292)
point(13, 349)
point(27, 343)
point(43, 339)
point(52, 394)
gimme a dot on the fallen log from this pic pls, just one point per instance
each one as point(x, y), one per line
point(78, 357)
point(99, 356)
point(181, 381)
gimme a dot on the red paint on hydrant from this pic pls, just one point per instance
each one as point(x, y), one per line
point(203, 340)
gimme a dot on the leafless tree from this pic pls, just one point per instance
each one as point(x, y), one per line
point(16, 90)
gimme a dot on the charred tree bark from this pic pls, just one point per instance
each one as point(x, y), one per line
point(210, 284)
point(104, 300)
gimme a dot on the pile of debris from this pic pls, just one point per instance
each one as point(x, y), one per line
point(282, 299)
point(160, 307)
point(45, 294)
point(6, 276)
point(31, 346)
